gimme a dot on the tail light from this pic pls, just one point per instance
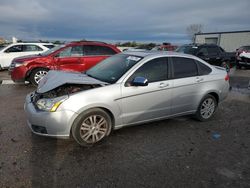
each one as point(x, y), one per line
point(227, 77)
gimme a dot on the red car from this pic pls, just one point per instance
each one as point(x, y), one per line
point(75, 56)
point(165, 47)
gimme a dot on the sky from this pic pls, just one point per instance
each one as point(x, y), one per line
point(119, 20)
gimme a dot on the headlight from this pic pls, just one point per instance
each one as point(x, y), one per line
point(50, 105)
point(18, 64)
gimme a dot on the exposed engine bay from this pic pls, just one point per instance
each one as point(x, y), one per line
point(65, 89)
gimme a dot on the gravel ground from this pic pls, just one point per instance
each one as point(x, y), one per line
point(179, 152)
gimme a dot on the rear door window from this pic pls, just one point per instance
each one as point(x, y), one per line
point(31, 48)
point(72, 51)
point(203, 51)
point(184, 67)
point(98, 50)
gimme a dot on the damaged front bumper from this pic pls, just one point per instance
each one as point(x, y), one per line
point(54, 124)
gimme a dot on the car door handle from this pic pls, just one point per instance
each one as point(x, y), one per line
point(199, 79)
point(162, 85)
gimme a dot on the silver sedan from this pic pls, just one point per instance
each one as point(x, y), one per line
point(126, 89)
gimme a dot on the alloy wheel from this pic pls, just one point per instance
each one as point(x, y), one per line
point(93, 128)
point(207, 108)
point(39, 75)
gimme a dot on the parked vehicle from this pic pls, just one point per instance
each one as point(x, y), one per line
point(243, 57)
point(126, 89)
point(165, 47)
point(2, 46)
point(8, 53)
point(210, 53)
point(75, 56)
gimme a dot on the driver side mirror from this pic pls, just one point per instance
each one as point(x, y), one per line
point(139, 81)
point(57, 55)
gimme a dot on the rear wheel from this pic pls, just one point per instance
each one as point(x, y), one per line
point(206, 108)
point(37, 74)
point(91, 127)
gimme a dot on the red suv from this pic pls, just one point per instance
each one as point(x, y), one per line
point(75, 56)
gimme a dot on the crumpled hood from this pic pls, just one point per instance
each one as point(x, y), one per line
point(55, 79)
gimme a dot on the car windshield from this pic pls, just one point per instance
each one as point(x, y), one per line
point(52, 50)
point(112, 68)
point(187, 49)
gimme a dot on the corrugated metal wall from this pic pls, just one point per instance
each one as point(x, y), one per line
point(229, 41)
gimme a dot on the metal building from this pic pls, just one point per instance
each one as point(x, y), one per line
point(230, 41)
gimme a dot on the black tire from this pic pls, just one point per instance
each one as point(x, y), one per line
point(238, 66)
point(36, 74)
point(206, 112)
point(85, 129)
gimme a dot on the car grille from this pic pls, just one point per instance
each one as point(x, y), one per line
point(39, 129)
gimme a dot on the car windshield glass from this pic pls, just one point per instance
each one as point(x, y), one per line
point(52, 50)
point(187, 49)
point(112, 68)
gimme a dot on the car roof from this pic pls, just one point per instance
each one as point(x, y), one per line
point(37, 43)
point(146, 53)
point(87, 42)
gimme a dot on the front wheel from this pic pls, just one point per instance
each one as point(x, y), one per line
point(37, 74)
point(206, 108)
point(91, 127)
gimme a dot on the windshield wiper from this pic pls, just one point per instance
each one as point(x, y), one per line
point(89, 75)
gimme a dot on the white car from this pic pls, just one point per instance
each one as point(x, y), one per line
point(8, 53)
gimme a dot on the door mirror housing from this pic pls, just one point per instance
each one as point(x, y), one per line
point(57, 55)
point(139, 81)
